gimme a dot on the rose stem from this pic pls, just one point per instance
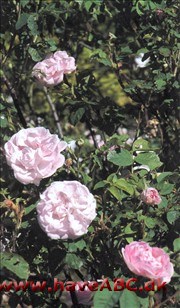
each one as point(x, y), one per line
point(56, 118)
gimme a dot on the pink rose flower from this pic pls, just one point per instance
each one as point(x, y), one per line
point(84, 297)
point(150, 262)
point(66, 210)
point(50, 71)
point(151, 196)
point(34, 154)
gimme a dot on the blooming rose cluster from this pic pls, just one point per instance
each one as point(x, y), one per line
point(146, 261)
point(151, 196)
point(34, 154)
point(50, 71)
point(66, 209)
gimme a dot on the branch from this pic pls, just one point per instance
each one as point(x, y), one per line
point(92, 133)
point(15, 100)
point(73, 294)
point(55, 115)
point(176, 294)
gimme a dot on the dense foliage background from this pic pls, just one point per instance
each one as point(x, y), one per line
point(109, 98)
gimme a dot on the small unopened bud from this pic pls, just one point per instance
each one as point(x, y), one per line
point(80, 142)
point(160, 13)
point(69, 162)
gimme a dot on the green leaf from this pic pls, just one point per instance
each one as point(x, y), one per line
point(25, 225)
point(124, 185)
point(160, 84)
point(150, 159)
point(172, 216)
point(153, 5)
point(150, 222)
point(118, 139)
point(15, 264)
point(106, 62)
point(29, 209)
point(52, 44)
point(71, 247)
point(129, 239)
point(129, 300)
point(163, 203)
point(175, 85)
point(122, 159)
point(2, 107)
point(163, 176)
point(176, 244)
point(73, 261)
point(34, 54)
point(76, 116)
point(142, 50)
point(74, 247)
point(115, 192)
point(106, 298)
point(164, 51)
point(88, 5)
point(170, 100)
point(139, 12)
point(100, 185)
point(86, 178)
point(32, 24)
point(141, 145)
point(126, 50)
point(112, 178)
point(80, 244)
point(21, 21)
point(128, 229)
point(3, 121)
point(144, 302)
point(23, 3)
point(166, 189)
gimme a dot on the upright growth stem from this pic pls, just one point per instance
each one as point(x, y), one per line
point(55, 115)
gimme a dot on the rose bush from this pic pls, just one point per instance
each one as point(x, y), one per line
point(135, 112)
point(151, 196)
point(66, 209)
point(34, 154)
point(150, 262)
point(50, 71)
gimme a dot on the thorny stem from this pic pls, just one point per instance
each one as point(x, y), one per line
point(15, 100)
point(91, 132)
point(56, 118)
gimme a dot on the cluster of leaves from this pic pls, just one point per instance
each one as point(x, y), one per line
point(106, 93)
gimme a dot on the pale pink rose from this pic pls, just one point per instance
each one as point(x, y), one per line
point(66, 209)
point(151, 196)
point(146, 261)
point(50, 71)
point(84, 297)
point(66, 63)
point(34, 154)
